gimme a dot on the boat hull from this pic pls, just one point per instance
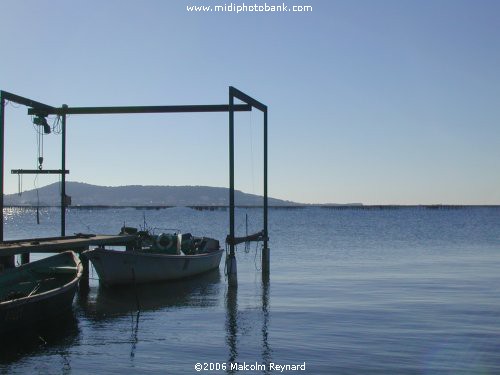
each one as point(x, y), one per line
point(24, 312)
point(129, 267)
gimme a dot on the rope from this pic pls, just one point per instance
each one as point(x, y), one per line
point(37, 206)
point(70, 216)
point(56, 125)
point(8, 102)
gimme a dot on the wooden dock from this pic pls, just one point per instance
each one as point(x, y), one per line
point(77, 243)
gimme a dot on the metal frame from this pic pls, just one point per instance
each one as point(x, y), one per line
point(235, 93)
point(38, 171)
point(138, 109)
point(37, 108)
point(41, 109)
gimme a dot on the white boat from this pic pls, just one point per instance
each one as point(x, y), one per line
point(156, 258)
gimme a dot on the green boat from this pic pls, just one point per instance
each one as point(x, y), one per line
point(38, 291)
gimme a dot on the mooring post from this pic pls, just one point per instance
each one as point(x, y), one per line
point(232, 269)
point(84, 281)
point(25, 258)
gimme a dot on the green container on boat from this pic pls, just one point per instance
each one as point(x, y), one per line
point(165, 243)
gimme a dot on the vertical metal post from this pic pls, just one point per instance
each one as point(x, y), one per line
point(265, 250)
point(2, 143)
point(231, 170)
point(63, 172)
point(231, 260)
point(5, 261)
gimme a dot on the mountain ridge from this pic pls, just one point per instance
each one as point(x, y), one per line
point(83, 194)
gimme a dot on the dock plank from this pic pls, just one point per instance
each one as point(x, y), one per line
point(60, 244)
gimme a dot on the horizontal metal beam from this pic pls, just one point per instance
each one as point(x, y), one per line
point(40, 107)
point(247, 99)
point(38, 171)
point(256, 237)
point(144, 109)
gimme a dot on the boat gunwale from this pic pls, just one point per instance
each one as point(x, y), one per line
point(90, 253)
point(47, 294)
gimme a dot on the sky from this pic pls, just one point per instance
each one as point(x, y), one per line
point(373, 102)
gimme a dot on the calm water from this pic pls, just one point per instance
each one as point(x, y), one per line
point(407, 291)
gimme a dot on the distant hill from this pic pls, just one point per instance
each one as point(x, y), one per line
point(136, 195)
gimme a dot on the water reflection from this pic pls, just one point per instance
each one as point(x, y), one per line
point(233, 323)
point(108, 303)
point(58, 334)
point(135, 331)
point(266, 348)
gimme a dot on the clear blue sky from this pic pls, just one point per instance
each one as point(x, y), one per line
point(378, 102)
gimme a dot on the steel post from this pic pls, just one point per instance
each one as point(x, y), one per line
point(231, 170)
point(63, 175)
point(2, 155)
point(6, 261)
point(265, 250)
point(231, 260)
